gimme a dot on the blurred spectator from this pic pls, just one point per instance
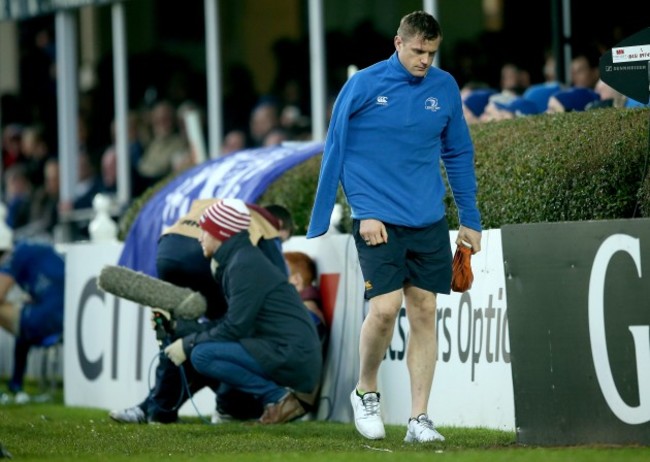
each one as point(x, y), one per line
point(585, 70)
point(182, 160)
point(235, 140)
point(137, 138)
point(508, 109)
point(275, 136)
point(264, 117)
point(609, 97)
point(44, 210)
point(573, 99)
point(514, 78)
point(540, 93)
point(302, 130)
point(109, 170)
point(296, 125)
point(290, 116)
point(156, 161)
point(518, 106)
point(18, 195)
point(83, 131)
point(491, 111)
point(35, 152)
point(89, 183)
point(474, 104)
point(472, 85)
point(11, 145)
point(137, 134)
point(39, 270)
point(549, 70)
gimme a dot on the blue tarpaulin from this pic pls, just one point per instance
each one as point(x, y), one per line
point(244, 175)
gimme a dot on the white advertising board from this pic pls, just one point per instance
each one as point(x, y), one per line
point(111, 351)
point(473, 382)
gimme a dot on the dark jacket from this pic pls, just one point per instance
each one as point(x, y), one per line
point(265, 313)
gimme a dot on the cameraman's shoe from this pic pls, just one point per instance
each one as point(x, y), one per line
point(220, 417)
point(129, 415)
point(22, 398)
point(285, 410)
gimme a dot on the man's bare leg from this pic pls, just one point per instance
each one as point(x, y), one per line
point(422, 346)
point(376, 335)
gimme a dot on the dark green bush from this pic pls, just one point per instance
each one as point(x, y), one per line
point(563, 167)
point(545, 168)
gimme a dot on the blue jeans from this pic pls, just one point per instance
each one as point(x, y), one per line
point(231, 364)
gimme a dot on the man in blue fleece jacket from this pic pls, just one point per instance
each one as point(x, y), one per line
point(391, 126)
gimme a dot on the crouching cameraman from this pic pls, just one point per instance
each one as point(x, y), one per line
point(266, 345)
point(180, 261)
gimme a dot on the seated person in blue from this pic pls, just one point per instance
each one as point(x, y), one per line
point(39, 270)
point(266, 343)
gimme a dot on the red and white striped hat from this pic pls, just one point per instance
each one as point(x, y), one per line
point(225, 218)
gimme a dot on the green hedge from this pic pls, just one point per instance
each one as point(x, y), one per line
point(564, 167)
point(545, 168)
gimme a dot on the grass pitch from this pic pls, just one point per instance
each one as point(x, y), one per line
point(53, 432)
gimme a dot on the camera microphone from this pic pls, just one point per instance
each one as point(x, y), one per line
point(143, 289)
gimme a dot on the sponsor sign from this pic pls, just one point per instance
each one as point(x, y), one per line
point(111, 351)
point(579, 322)
point(472, 385)
point(625, 67)
point(627, 54)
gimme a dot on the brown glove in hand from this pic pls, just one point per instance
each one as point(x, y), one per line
point(462, 276)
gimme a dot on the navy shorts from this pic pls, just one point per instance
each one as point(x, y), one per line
point(420, 257)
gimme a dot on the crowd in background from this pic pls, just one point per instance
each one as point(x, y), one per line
point(517, 96)
point(159, 144)
point(158, 139)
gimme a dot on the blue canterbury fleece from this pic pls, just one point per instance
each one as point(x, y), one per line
point(388, 133)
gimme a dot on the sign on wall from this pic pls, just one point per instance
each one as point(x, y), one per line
point(579, 321)
point(625, 67)
point(472, 385)
point(110, 348)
